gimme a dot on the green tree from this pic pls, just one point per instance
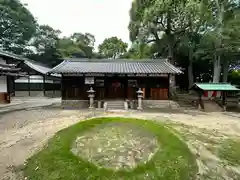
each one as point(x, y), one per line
point(68, 48)
point(139, 51)
point(77, 45)
point(45, 38)
point(44, 45)
point(198, 15)
point(221, 38)
point(152, 20)
point(112, 47)
point(17, 26)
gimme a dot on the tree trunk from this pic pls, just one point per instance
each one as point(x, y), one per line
point(190, 67)
point(216, 69)
point(170, 49)
point(190, 74)
point(217, 58)
point(169, 37)
point(225, 70)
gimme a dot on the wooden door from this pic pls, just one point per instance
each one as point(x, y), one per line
point(116, 90)
point(159, 94)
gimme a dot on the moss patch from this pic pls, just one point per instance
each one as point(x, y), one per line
point(230, 151)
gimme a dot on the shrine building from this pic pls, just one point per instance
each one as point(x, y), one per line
point(117, 79)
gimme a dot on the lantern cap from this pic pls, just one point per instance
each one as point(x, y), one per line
point(139, 91)
point(91, 90)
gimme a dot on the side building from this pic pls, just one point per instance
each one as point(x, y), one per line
point(8, 72)
point(114, 79)
point(38, 83)
point(20, 76)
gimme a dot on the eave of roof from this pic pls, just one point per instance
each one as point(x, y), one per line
point(121, 66)
point(39, 68)
point(215, 87)
point(30, 63)
point(12, 55)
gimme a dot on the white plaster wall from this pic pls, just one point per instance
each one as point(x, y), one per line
point(3, 79)
point(33, 79)
point(2, 61)
point(3, 84)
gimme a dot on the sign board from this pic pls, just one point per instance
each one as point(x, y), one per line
point(89, 80)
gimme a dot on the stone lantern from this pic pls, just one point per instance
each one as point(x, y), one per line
point(91, 98)
point(140, 97)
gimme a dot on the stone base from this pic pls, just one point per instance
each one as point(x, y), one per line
point(161, 104)
point(75, 103)
point(38, 93)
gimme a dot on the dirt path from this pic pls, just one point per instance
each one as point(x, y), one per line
point(205, 133)
point(24, 132)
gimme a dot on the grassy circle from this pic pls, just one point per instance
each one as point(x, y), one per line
point(173, 160)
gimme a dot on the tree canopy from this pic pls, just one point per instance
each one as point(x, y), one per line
point(112, 47)
point(17, 26)
point(196, 30)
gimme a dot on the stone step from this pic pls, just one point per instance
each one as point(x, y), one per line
point(115, 104)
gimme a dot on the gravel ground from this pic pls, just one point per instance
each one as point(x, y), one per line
point(22, 133)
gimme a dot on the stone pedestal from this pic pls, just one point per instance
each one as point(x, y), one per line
point(99, 104)
point(140, 97)
point(125, 105)
point(91, 98)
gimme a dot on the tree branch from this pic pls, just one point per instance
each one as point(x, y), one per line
point(151, 40)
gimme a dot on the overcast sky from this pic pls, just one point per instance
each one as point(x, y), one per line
point(102, 18)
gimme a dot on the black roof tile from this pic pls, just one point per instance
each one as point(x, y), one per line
point(115, 66)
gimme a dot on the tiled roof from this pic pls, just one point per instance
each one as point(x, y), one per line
point(215, 87)
point(12, 55)
point(115, 66)
point(30, 63)
point(10, 70)
point(39, 67)
point(237, 67)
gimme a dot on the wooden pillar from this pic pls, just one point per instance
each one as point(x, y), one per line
point(224, 94)
point(14, 86)
point(168, 86)
point(29, 94)
point(200, 103)
point(126, 87)
point(62, 93)
point(106, 84)
point(44, 90)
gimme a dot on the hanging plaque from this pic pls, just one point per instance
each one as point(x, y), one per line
point(89, 80)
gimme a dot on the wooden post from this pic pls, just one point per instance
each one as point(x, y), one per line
point(224, 100)
point(126, 87)
point(168, 86)
point(44, 91)
point(29, 84)
point(62, 94)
